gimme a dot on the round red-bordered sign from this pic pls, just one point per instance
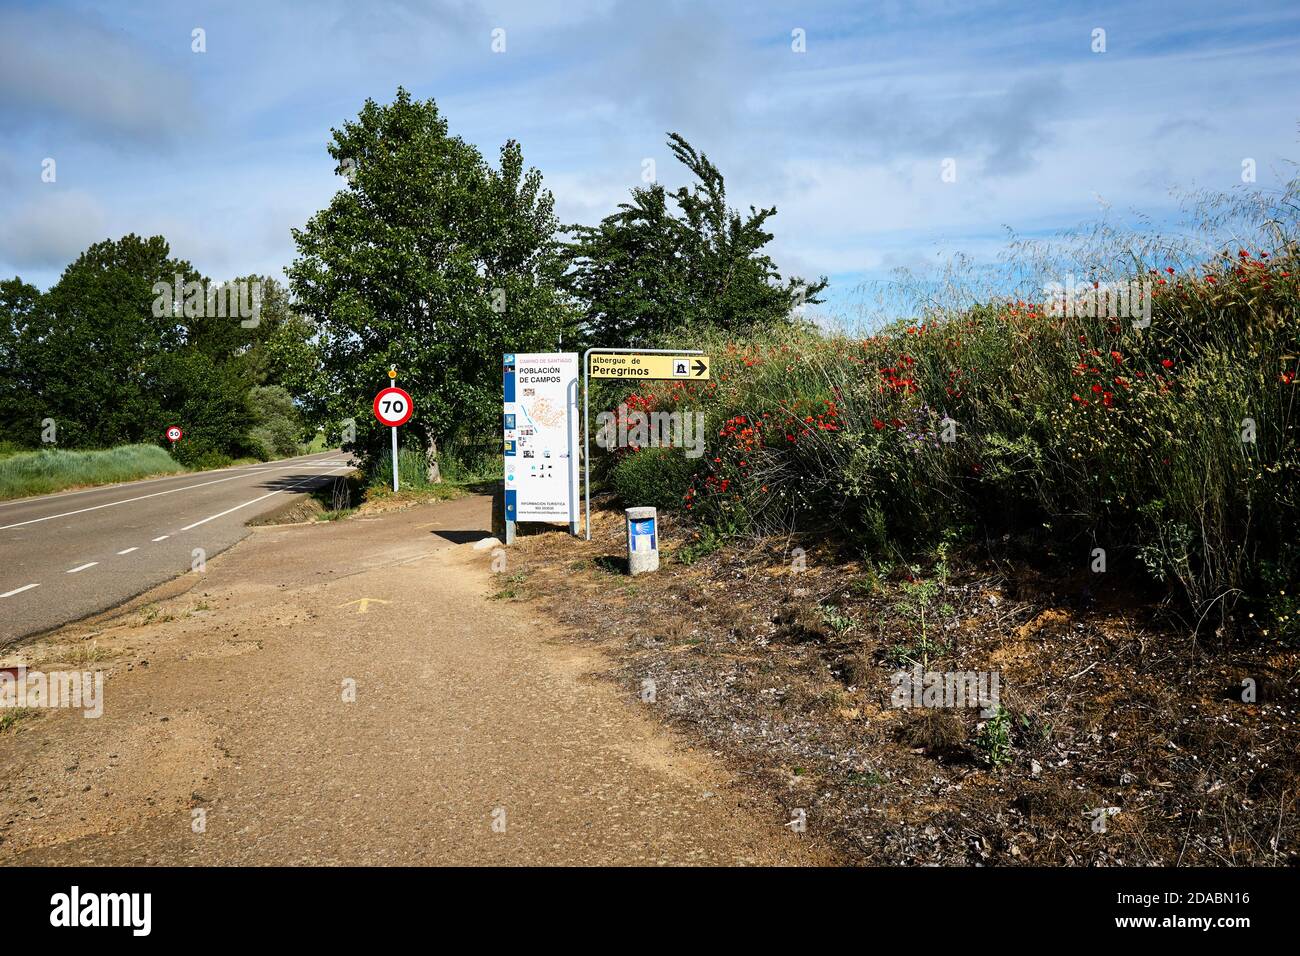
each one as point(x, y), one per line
point(393, 407)
point(174, 433)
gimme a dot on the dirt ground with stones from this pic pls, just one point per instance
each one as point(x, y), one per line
point(482, 731)
point(1124, 741)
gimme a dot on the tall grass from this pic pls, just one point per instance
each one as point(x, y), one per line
point(471, 460)
point(412, 469)
point(1171, 447)
point(50, 470)
point(460, 462)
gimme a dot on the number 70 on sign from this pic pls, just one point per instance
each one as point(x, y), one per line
point(393, 407)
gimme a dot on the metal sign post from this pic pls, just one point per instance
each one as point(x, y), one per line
point(394, 459)
point(392, 380)
point(393, 407)
point(689, 373)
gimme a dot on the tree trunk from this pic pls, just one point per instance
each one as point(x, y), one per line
point(431, 460)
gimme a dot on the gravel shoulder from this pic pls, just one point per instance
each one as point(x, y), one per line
point(480, 733)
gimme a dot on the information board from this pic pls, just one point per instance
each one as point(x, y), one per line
point(540, 436)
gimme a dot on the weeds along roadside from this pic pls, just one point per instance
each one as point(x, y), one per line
point(1165, 451)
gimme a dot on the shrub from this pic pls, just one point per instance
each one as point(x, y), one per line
point(1170, 445)
point(200, 454)
point(277, 428)
point(993, 742)
point(652, 477)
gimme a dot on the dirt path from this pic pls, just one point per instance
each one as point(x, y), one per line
point(224, 693)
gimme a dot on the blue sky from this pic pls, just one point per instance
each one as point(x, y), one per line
point(223, 152)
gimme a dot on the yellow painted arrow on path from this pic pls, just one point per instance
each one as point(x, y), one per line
point(363, 603)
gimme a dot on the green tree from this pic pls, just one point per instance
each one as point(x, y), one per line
point(241, 337)
point(277, 425)
point(430, 260)
point(126, 343)
point(19, 424)
point(209, 400)
point(649, 269)
point(293, 360)
point(93, 346)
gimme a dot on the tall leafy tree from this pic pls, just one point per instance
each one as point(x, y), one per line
point(210, 399)
point(671, 260)
point(431, 260)
point(278, 427)
point(18, 422)
point(127, 343)
point(93, 346)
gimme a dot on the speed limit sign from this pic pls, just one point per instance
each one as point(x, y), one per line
point(174, 433)
point(393, 407)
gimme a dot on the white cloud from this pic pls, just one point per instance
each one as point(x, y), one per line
point(51, 231)
point(57, 68)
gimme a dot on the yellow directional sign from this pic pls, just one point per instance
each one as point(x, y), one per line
point(646, 366)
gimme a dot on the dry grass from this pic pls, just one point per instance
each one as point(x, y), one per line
point(1107, 709)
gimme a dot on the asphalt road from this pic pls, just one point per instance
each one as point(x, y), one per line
point(65, 556)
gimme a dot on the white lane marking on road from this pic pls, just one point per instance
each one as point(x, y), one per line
point(124, 501)
point(242, 469)
point(82, 567)
point(161, 537)
point(115, 485)
point(25, 587)
point(128, 550)
point(256, 500)
point(127, 501)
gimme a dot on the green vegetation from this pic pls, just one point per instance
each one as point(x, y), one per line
point(129, 341)
point(653, 477)
point(50, 470)
point(415, 483)
point(993, 742)
point(1169, 446)
point(412, 470)
point(702, 544)
point(838, 621)
point(648, 269)
point(341, 497)
point(11, 717)
point(1163, 450)
point(916, 606)
point(474, 264)
point(468, 463)
point(469, 270)
point(460, 465)
point(277, 426)
point(514, 588)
